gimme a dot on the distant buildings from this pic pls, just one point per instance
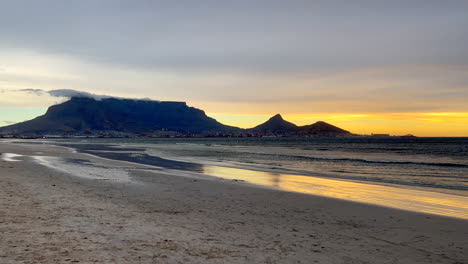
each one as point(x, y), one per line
point(380, 135)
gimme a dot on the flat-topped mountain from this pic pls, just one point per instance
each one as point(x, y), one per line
point(116, 116)
point(275, 124)
point(82, 114)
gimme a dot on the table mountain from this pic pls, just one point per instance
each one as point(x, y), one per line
point(81, 114)
point(111, 116)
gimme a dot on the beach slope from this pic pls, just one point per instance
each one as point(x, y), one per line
point(93, 210)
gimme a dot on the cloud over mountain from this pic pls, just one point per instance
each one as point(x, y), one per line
point(69, 93)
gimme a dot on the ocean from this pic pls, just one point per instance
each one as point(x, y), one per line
point(427, 175)
point(438, 163)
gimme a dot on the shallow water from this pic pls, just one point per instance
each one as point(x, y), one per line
point(401, 198)
point(425, 175)
point(425, 162)
point(10, 157)
point(84, 169)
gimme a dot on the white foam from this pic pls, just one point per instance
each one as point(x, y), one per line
point(88, 170)
point(10, 157)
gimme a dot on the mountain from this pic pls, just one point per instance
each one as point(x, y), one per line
point(321, 128)
point(117, 116)
point(82, 114)
point(275, 125)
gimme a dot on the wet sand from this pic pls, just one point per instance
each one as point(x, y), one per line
point(145, 215)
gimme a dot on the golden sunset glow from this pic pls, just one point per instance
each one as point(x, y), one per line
point(422, 201)
point(420, 124)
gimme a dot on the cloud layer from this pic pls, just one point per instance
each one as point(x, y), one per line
point(261, 36)
point(239, 57)
point(69, 93)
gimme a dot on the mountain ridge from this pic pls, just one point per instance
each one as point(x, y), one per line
point(81, 114)
point(84, 115)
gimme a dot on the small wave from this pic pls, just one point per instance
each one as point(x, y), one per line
point(251, 158)
point(418, 183)
point(246, 152)
point(438, 164)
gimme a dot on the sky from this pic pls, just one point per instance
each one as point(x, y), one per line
point(368, 66)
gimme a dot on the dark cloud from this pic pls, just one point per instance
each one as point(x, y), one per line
point(69, 93)
point(391, 54)
point(33, 91)
point(266, 36)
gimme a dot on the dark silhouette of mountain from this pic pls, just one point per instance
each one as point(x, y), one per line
point(321, 128)
point(116, 116)
point(82, 114)
point(275, 125)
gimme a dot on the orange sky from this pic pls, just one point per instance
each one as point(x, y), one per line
point(420, 124)
point(21, 106)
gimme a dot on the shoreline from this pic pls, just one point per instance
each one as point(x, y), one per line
point(124, 147)
point(170, 219)
point(107, 148)
point(432, 201)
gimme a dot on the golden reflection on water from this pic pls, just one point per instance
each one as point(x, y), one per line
point(401, 198)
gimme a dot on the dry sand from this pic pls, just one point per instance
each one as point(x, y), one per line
point(51, 216)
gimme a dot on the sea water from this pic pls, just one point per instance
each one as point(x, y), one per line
point(424, 162)
point(418, 174)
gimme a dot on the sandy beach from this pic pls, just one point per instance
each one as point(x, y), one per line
point(119, 212)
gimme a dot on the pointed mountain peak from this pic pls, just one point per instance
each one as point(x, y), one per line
point(276, 124)
point(277, 117)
